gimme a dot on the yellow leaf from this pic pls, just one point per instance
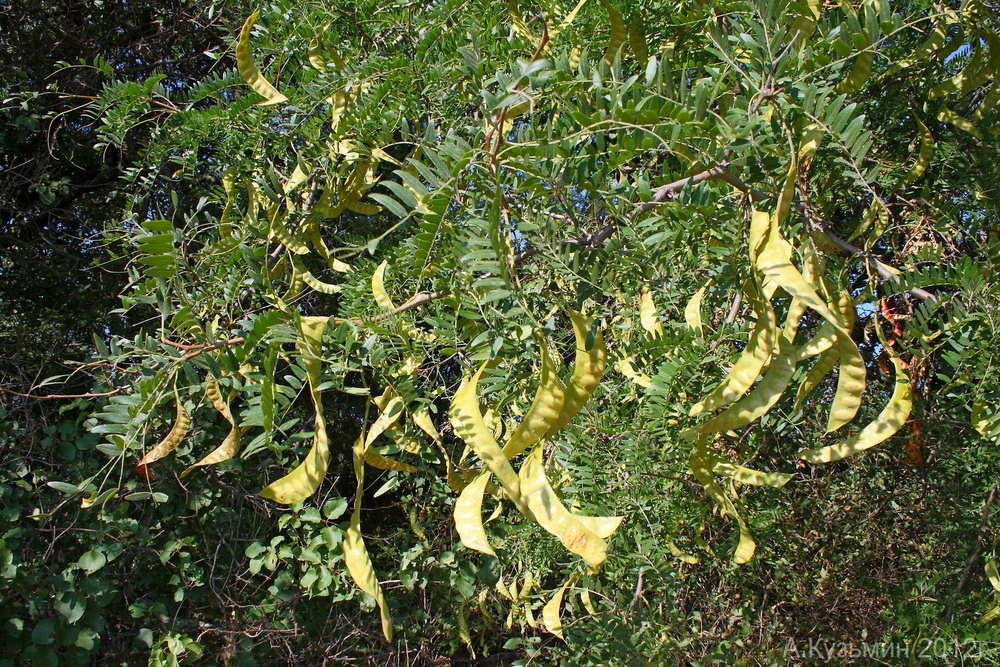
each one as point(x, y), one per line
point(248, 69)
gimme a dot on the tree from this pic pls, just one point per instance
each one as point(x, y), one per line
point(514, 258)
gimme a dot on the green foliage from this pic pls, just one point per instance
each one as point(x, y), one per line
point(431, 190)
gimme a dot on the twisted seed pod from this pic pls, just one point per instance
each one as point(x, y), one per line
point(180, 428)
point(469, 515)
point(248, 69)
point(588, 369)
point(550, 612)
point(751, 360)
point(312, 281)
point(774, 261)
point(701, 467)
point(618, 37)
point(692, 311)
point(543, 411)
point(359, 563)
point(304, 480)
point(748, 475)
point(933, 42)
point(390, 407)
point(890, 420)
point(230, 443)
point(860, 70)
point(553, 516)
point(923, 156)
point(468, 422)
point(648, 316)
point(948, 116)
point(764, 395)
point(378, 287)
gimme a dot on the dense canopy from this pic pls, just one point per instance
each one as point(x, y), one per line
point(602, 333)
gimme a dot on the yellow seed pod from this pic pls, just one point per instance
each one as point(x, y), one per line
point(180, 428)
point(248, 69)
point(543, 411)
point(588, 369)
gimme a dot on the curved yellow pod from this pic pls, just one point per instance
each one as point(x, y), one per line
point(692, 311)
point(860, 70)
point(749, 475)
point(764, 395)
point(469, 515)
point(550, 612)
point(553, 516)
point(248, 69)
point(751, 360)
point(648, 315)
point(543, 411)
point(602, 526)
point(775, 262)
point(359, 563)
point(625, 367)
point(827, 362)
point(303, 481)
point(923, 156)
point(469, 425)
point(312, 281)
point(701, 466)
point(182, 424)
point(378, 287)
point(588, 369)
point(890, 420)
point(230, 443)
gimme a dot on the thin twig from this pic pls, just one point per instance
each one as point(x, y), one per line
point(52, 397)
point(950, 607)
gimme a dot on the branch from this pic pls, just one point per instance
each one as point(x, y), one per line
point(418, 299)
point(950, 607)
point(52, 397)
point(193, 350)
point(667, 191)
point(882, 269)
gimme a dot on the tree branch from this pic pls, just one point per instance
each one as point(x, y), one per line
point(52, 397)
